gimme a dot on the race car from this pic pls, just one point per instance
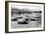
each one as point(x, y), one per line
point(21, 20)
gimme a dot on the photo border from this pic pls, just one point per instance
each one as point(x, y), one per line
point(7, 14)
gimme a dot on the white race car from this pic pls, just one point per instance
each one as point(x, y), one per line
point(21, 20)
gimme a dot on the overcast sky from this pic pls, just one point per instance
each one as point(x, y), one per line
point(27, 6)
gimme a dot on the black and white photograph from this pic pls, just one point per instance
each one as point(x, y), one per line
point(25, 16)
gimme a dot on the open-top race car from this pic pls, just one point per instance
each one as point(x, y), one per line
point(21, 20)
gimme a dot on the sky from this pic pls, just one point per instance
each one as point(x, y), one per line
point(33, 7)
